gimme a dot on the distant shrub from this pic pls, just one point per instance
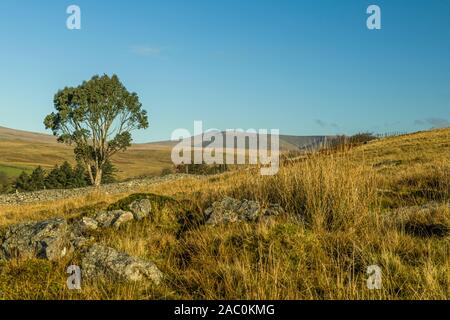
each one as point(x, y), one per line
point(166, 172)
point(345, 142)
point(61, 177)
point(54, 179)
point(37, 179)
point(201, 169)
point(362, 138)
point(65, 177)
point(23, 182)
point(78, 178)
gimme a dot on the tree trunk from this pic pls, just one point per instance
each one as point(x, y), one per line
point(91, 176)
point(98, 178)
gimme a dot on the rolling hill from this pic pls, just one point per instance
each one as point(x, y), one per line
point(24, 151)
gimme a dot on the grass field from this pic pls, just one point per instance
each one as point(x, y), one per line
point(137, 161)
point(21, 149)
point(14, 172)
point(344, 212)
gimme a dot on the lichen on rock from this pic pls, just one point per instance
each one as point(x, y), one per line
point(45, 240)
point(104, 262)
point(231, 210)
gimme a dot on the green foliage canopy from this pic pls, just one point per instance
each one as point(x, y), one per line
point(96, 117)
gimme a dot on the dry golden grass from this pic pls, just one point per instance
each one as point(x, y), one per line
point(12, 214)
point(24, 151)
point(139, 160)
point(344, 212)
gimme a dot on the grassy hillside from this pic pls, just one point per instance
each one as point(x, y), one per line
point(12, 171)
point(21, 150)
point(412, 169)
point(385, 203)
point(24, 151)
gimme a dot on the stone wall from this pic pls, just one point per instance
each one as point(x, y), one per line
point(52, 195)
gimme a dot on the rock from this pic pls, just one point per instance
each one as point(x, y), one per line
point(273, 210)
point(88, 224)
point(79, 232)
point(104, 262)
point(81, 242)
point(231, 210)
point(44, 240)
point(106, 219)
point(141, 208)
point(122, 219)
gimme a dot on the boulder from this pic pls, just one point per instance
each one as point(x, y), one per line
point(80, 241)
point(105, 262)
point(79, 232)
point(106, 219)
point(88, 224)
point(122, 219)
point(231, 210)
point(141, 209)
point(44, 240)
point(84, 224)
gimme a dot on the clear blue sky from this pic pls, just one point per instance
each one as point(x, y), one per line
point(305, 67)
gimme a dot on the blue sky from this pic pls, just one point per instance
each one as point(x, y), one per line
point(304, 67)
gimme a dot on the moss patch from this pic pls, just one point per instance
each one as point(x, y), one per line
point(158, 200)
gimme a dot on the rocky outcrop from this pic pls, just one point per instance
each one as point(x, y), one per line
point(56, 238)
point(105, 262)
point(231, 210)
point(46, 240)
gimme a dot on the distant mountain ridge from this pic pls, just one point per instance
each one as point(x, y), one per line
point(287, 142)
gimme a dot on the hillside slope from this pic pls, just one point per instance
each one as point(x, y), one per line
point(386, 203)
point(24, 151)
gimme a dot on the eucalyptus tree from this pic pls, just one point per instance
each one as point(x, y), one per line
point(97, 118)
